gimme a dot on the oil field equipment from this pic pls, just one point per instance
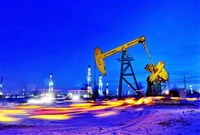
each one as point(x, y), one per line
point(158, 73)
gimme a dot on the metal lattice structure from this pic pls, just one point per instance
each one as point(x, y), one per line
point(127, 71)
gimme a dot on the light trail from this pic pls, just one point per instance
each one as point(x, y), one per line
point(51, 117)
point(99, 109)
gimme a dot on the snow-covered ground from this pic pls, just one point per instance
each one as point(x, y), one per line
point(107, 118)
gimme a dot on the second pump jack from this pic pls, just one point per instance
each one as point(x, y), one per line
point(158, 73)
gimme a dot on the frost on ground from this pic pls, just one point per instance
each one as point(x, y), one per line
point(134, 120)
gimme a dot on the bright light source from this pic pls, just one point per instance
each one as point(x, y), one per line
point(45, 99)
point(85, 95)
point(75, 97)
point(70, 95)
point(167, 92)
point(50, 83)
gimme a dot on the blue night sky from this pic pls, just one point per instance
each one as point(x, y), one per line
point(44, 36)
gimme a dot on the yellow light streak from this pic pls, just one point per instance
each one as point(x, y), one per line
point(52, 117)
point(4, 118)
point(13, 112)
point(28, 107)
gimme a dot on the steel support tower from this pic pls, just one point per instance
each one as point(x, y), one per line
point(127, 71)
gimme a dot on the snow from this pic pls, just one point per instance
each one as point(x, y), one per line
point(118, 120)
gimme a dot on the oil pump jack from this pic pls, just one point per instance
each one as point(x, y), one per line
point(157, 72)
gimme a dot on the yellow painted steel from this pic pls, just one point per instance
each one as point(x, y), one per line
point(125, 46)
point(99, 59)
point(157, 72)
point(100, 56)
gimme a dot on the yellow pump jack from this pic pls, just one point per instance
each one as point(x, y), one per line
point(158, 72)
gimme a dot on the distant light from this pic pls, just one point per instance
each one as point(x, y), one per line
point(51, 75)
point(45, 99)
point(51, 83)
point(85, 95)
point(167, 92)
point(33, 101)
point(75, 97)
point(191, 89)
